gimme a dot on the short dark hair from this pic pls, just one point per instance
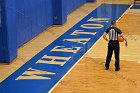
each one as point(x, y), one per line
point(113, 22)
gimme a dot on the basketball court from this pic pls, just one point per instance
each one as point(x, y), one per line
point(87, 74)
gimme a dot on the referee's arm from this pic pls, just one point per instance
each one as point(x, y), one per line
point(126, 43)
point(121, 34)
point(104, 36)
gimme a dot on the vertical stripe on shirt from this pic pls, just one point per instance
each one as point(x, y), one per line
point(113, 34)
point(110, 34)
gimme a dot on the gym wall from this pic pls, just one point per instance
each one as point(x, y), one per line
point(22, 20)
point(32, 17)
point(74, 4)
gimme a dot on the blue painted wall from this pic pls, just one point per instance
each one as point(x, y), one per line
point(8, 48)
point(59, 11)
point(1, 44)
point(74, 4)
point(32, 17)
point(91, 0)
point(1, 41)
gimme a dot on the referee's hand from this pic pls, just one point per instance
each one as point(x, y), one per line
point(104, 36)
point(126, 44)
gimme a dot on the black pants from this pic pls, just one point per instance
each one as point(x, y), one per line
point(113, 46)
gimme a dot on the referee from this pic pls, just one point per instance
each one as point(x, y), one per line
point(113, 45)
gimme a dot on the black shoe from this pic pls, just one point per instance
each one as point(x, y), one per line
point(107, 68)
point(117, 69)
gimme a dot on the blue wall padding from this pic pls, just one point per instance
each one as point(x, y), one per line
point(33, 17)
point(91, 0)
point(1, 41)
point(22, 20)
point(1, 45)
point(8, 49)
point(59, 12)
point(74, 4)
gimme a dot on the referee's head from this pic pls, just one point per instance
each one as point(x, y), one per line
point(113, 23)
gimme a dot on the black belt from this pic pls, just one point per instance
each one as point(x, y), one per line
point(113, 41)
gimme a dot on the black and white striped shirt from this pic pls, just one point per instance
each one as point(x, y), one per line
point(113, 33)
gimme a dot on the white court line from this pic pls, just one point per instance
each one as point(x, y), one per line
point(83, 56)
point(73, 66)
point(130, 55)
point(125, 12)
point(114, 59)
point(134, 13)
